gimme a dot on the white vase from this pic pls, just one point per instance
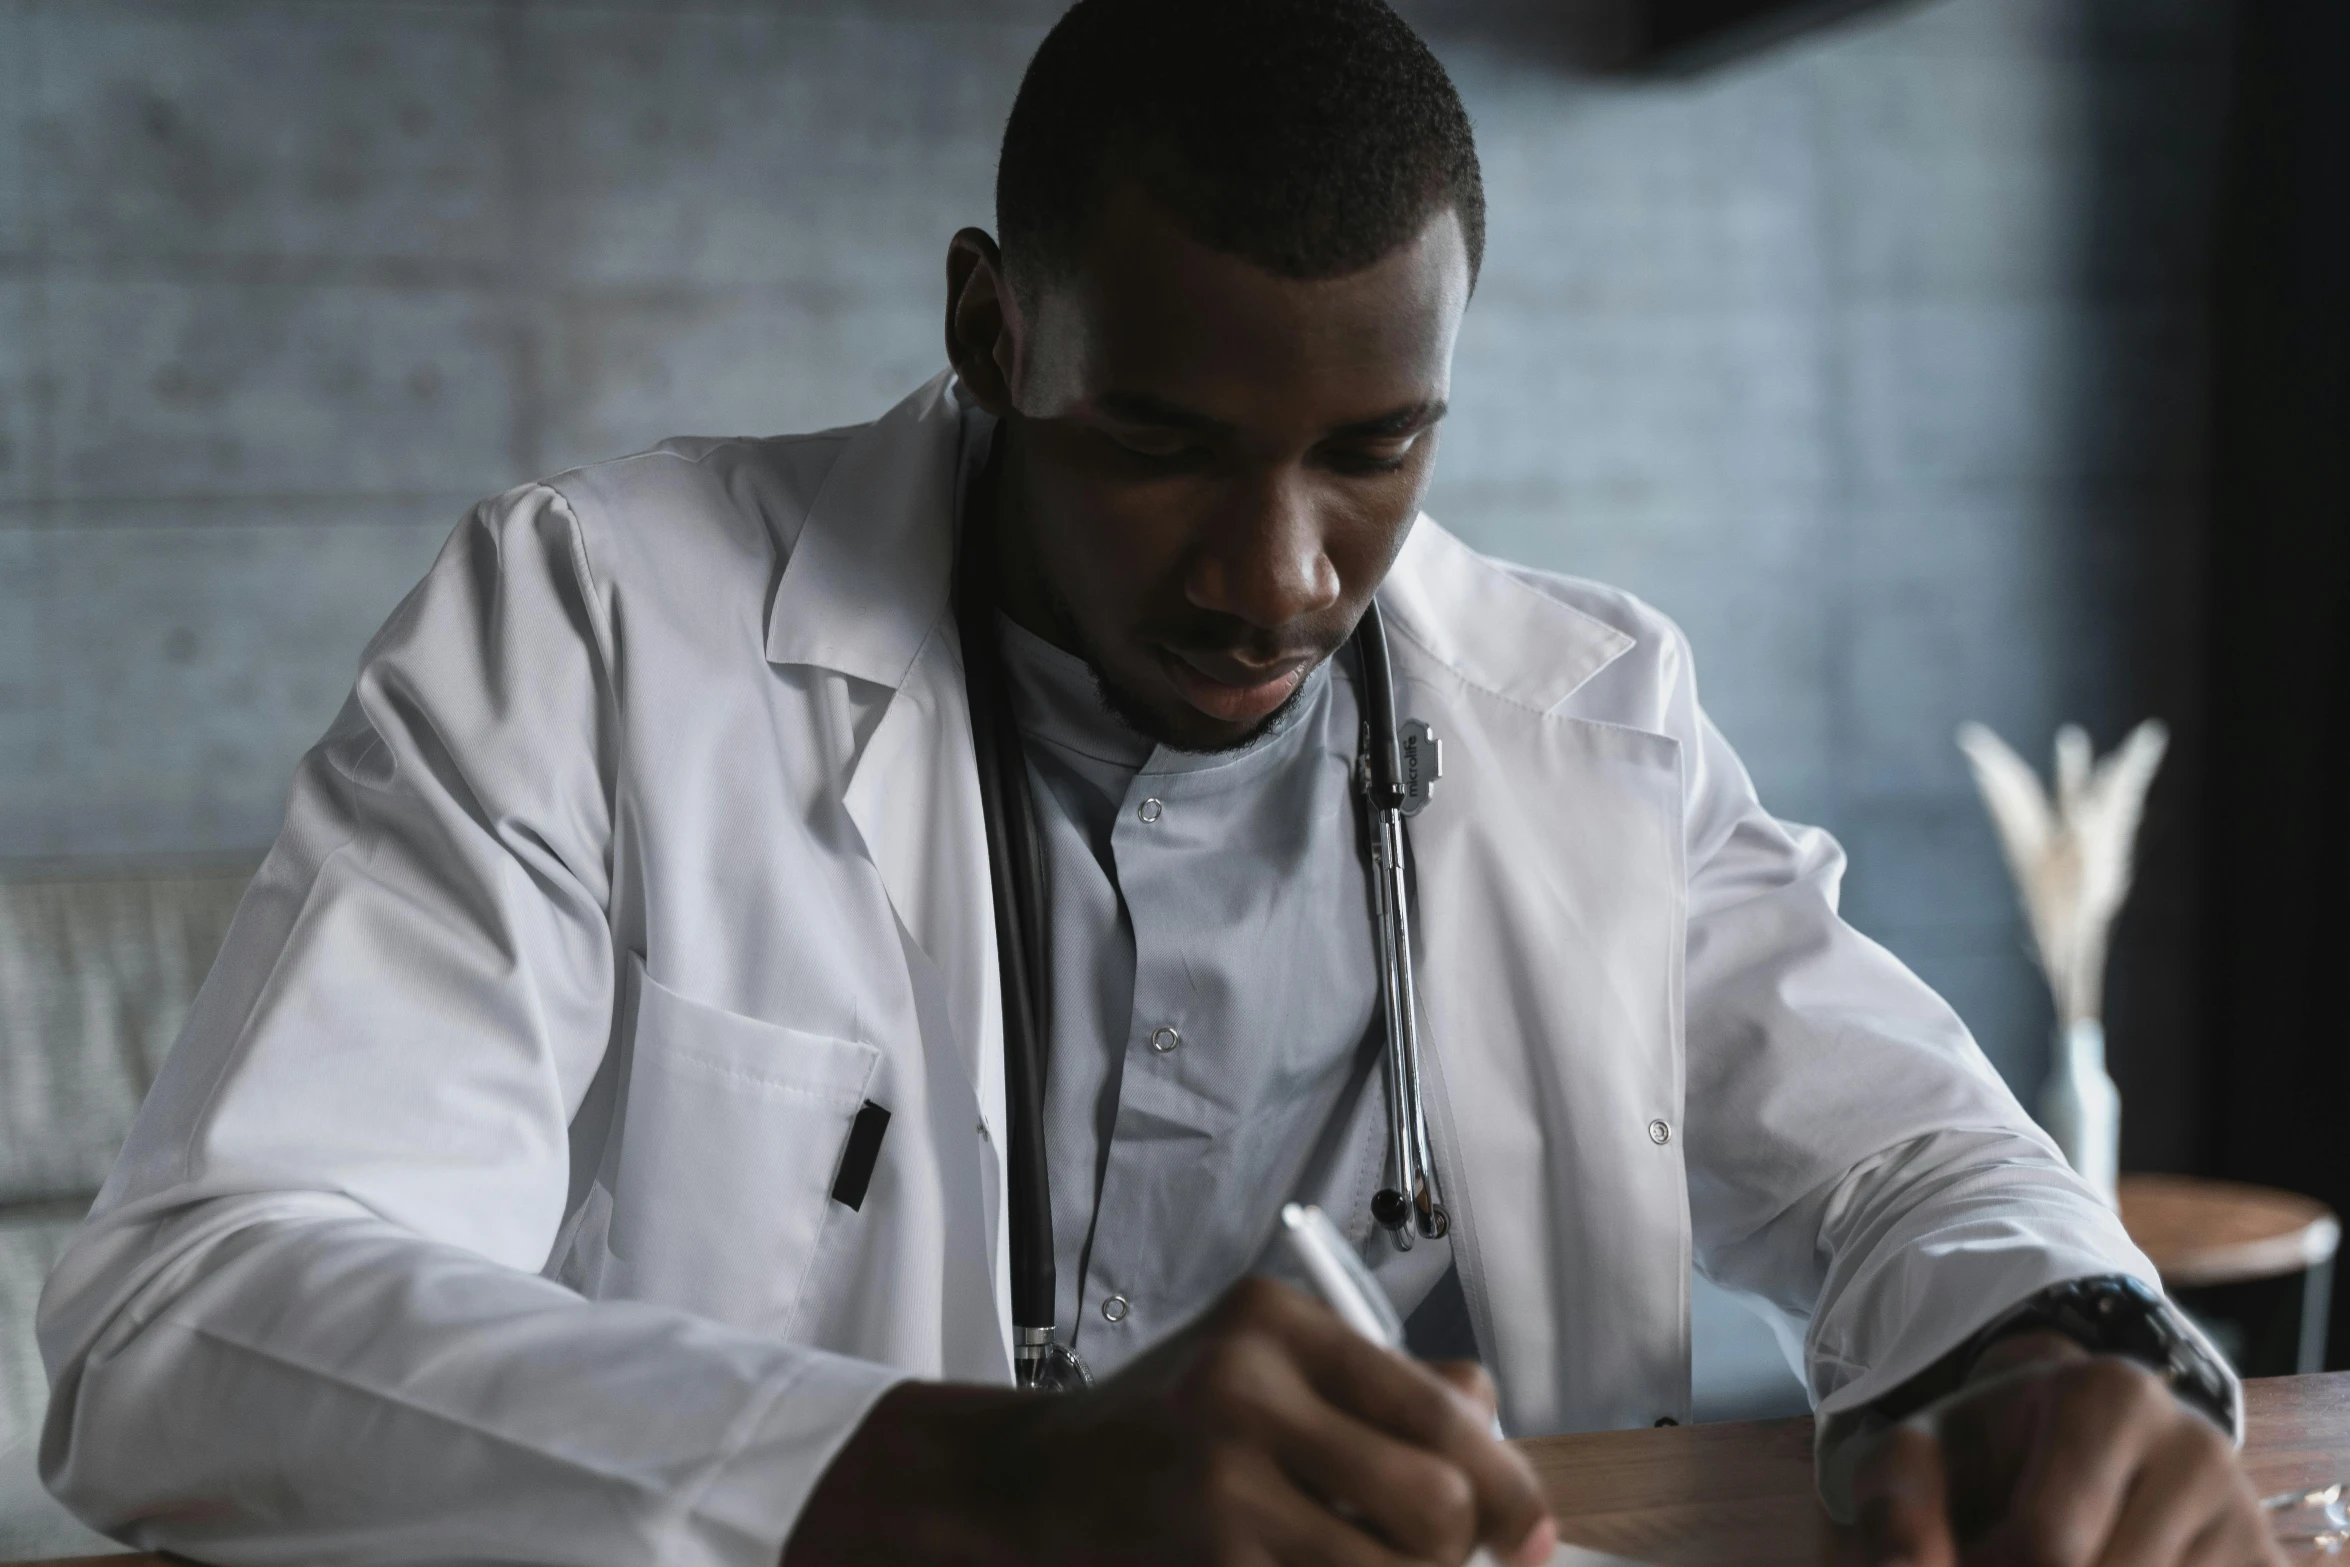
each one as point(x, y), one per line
point(2082, 1109)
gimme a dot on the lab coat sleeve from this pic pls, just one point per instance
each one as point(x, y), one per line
point(307, 1319)
point(1854, 1162)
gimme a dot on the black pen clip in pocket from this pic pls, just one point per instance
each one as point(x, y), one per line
point(860, 1156)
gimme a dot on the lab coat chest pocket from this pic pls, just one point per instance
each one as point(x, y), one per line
point(733, 1132)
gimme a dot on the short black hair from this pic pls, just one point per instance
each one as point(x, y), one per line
point(1310, 137)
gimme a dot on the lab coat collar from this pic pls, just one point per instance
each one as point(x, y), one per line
point(868, 580)
point(1491, 627)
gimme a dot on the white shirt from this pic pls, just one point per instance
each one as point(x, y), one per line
point(482, 1211)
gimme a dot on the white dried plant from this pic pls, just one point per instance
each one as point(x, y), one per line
point(2071, 856)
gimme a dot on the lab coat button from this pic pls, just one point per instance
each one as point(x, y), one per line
point(1164, 1040)
point(1659, 1133)
point(1114, 1309)
point(1149, 809)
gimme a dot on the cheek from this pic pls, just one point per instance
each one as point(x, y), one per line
point(1369, 526)
point(1109, 544)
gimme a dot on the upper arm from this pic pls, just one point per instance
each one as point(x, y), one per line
point(418, 987)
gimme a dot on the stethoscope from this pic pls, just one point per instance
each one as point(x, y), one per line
point(1396, 767)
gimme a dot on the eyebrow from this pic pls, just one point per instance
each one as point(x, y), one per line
point(1143, 408)
point(1403, 421)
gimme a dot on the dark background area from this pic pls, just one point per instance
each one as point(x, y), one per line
point(2273, 1057)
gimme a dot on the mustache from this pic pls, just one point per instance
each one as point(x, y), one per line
point(1235, 640)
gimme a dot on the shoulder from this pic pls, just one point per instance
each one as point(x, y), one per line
point(680, 545)
point(694, 504)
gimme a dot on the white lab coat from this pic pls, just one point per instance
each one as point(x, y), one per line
point(482, 1211)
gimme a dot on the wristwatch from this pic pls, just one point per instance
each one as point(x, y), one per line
point(2112, 1314)
point(2119, 1315)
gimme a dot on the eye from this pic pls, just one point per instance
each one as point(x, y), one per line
point(1158, 448)
point(1383, 457)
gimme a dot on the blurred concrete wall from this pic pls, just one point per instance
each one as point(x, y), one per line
point(1874, 359)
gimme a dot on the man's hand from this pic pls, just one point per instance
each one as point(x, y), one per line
point(2060, 1458)
point(1267, 1432)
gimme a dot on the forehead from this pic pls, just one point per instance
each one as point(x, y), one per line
point(1148, 309)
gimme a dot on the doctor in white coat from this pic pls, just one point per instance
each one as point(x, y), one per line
point(486, 1209)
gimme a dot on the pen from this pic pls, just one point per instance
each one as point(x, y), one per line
point(1347, 1288)
point(1340, 1278)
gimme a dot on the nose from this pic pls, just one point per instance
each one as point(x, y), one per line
point(1264, 561)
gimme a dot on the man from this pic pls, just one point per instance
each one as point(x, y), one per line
point(521, 1190)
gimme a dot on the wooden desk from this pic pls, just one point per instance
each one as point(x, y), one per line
point(1741, 1495)
point(1714, 1496)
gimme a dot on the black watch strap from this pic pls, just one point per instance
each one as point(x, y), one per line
point(2118, 1315)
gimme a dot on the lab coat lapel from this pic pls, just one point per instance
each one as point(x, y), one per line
point(865, 594)
point(1497, 633)
point(1549, 940)
point(914, 796)
point(867, 579)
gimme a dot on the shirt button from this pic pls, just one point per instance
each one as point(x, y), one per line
point(1659, 1133)
point(1114, 1309)
point(1149, 809)
point(1164, 1040)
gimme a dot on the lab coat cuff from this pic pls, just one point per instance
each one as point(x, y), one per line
point(745, 1514)
point(1900, 1323)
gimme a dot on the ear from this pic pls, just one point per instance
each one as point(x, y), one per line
point(983, 320)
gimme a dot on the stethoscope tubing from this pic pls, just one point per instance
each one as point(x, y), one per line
point(1414, 1203)
point(1018, 883)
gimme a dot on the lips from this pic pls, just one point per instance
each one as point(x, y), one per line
point(1229, 691)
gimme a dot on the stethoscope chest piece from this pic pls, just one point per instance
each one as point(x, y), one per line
point(1042, 1362)
point(1422, 755)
